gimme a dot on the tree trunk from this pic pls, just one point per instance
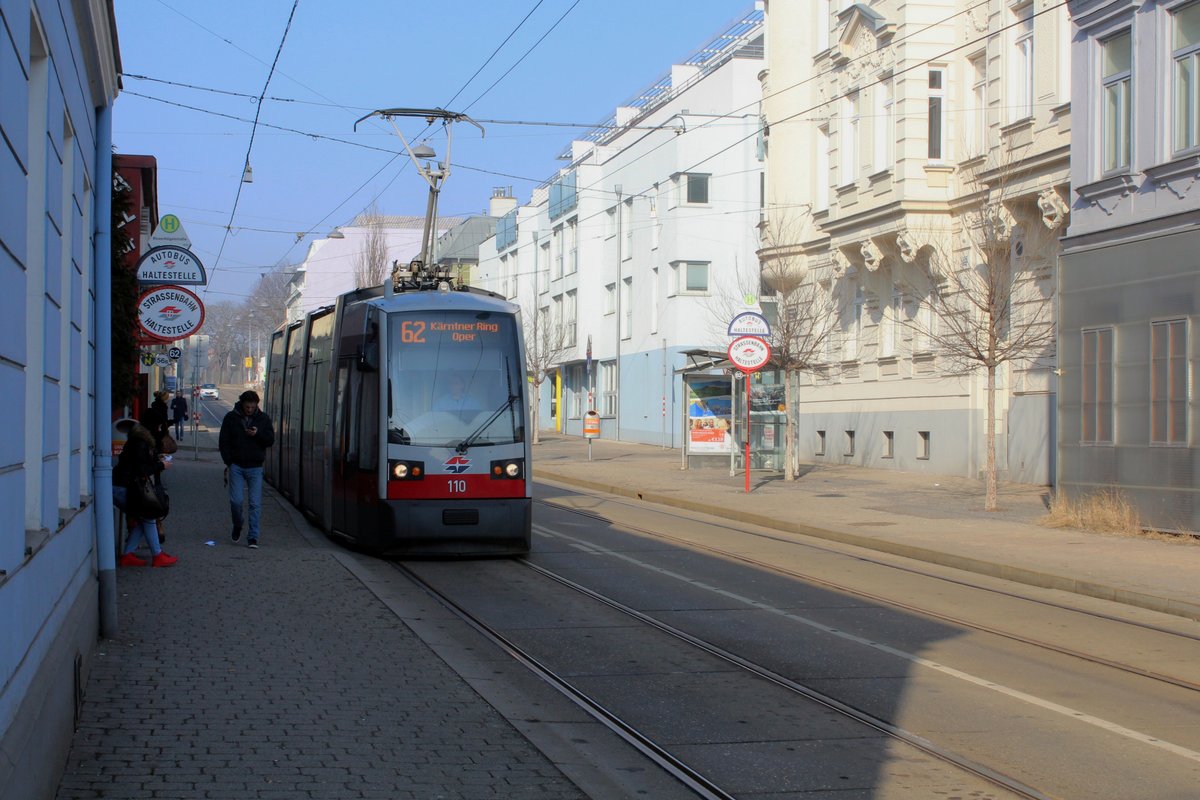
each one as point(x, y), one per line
point(789, 452)
point(534, 410)
point(990, 496)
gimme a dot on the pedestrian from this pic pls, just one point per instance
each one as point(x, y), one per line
point(179, 412)
point(155, 419)
point(246, 433)
point(139, 461)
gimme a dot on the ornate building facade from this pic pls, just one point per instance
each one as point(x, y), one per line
point(916, 154)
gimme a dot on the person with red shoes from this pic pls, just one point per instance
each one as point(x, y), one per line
point(138, 461)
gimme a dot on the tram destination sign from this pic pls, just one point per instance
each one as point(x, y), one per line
point(171, 265)
point(170, 313)
point(425, 331)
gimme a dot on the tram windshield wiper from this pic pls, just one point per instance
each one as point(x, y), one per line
point(468, 442)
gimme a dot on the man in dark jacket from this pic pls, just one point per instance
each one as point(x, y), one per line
point(246, 433)
point(179, 411)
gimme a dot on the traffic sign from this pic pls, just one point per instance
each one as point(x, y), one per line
point(175, 353)
point(749, 323)
point(749, 353)
point(171, 265)
point(170, 312)
point(170, 232)
point(161, 360)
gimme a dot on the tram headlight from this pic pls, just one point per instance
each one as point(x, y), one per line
point(406, 470)
point(508, 469)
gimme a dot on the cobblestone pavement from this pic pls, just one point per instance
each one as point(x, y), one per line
point(274, 673)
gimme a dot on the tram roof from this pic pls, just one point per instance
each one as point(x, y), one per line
point(459, 300)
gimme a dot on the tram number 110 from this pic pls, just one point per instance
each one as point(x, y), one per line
point(457, 486)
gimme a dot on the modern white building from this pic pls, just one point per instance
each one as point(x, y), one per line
point(639, 246)
point(1130, 281)
point(897, 132)
point(339, 263)
point(58, 80)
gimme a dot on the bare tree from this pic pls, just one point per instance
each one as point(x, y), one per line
point(990, 290)
point(545, 347)
point(370, 264)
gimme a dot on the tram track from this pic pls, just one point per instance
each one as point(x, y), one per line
point(692, 777)
point(956, 620)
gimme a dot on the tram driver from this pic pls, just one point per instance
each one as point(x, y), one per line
point(457, 400)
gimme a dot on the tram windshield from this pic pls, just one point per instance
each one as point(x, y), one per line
point(454, 379)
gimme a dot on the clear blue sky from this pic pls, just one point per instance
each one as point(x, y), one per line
point(341, 60)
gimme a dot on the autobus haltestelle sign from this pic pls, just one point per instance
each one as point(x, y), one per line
point(170, 313)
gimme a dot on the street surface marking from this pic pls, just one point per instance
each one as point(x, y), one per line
point(1016, 694)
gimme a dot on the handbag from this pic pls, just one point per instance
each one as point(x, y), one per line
point(148, 500)
point(169, 445)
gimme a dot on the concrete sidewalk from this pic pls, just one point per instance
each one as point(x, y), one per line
point(938, 519)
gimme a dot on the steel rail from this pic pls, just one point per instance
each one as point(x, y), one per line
point(1091, 658)
point(924, 745)
point(672, 765)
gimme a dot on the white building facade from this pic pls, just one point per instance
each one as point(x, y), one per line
point(335, 265)
point(637, 249)
point(58, 81)
point(1130, 282)
point(893, 128)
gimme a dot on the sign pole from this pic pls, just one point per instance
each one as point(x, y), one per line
point(749, 354)
point(747, 433)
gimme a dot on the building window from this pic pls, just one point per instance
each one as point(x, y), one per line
point(889, 444)
point(610, 298)
point(577, 389)
point(572, 261)
point(626, 308)
point(849, 443)
point(570, 309)
point(977, 115)
point(1168, 382)
point(653, 316)
point(608, 388)
point(822, 174)
point(695, 189)
point(543, 268)
point(1116, 77)
point(923, 445)
point(823, 25)
point(691, 277)
point(889, 326)
point(1185, 49)
point(1022, 62)
point(885, 125)
point(854, 326)
point(820, 443)
point(556, 246)
point(1096, 400)
point(937, 113)
point(850, 129)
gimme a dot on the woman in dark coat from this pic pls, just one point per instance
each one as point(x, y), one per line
point(139, 460)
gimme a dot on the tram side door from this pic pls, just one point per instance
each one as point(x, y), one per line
point(341, 478)
point(356, 448)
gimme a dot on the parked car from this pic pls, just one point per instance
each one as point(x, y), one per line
point(208, 391)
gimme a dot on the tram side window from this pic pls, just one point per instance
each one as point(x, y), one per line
point(368, 421)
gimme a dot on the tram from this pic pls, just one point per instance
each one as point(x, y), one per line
point(400, 418)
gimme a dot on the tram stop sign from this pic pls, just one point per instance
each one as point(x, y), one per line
point(749, 353)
